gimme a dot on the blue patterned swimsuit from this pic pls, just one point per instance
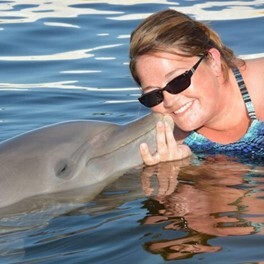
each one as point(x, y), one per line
point(249, 147)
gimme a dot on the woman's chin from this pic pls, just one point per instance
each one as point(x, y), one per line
point(188, 126)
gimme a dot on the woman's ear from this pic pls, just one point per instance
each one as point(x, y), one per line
point(215, 61)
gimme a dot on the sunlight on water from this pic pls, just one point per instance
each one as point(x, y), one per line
point(60, 85)
point(71, 55)
point(206, 11)
point(67, 8)
point(43, 9)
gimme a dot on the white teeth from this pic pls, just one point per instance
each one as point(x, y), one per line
point(183, 108)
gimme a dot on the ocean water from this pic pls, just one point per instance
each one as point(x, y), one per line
point(68, 60)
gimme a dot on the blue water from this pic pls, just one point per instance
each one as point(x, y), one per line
point(64, 60)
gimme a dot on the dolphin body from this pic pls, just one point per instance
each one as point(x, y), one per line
point(71, 155)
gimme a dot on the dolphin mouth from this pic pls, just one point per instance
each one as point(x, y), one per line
point(154, 118)
point(146, 125)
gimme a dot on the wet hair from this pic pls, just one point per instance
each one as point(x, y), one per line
point(170, 30)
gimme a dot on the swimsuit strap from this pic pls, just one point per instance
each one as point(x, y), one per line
point(245, 94)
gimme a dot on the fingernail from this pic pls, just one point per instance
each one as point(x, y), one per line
point(143, 146)
point(159, 124)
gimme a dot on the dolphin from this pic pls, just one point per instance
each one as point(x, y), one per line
point(71, 155)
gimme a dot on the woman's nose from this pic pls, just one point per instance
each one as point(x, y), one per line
point(168, 99)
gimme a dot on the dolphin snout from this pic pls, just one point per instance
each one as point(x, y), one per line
point(164, 118)
point(168, 119)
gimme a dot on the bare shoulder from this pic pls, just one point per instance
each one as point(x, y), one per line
point(255, 64)
point(253, 74)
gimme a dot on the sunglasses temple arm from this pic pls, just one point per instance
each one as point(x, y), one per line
point(193, 69)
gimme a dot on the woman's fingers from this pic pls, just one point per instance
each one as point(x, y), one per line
point(162, 146)
point(167, 147)
point(173, 153)
point(147, 157)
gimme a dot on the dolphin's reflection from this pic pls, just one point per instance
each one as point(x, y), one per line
point(220, 197)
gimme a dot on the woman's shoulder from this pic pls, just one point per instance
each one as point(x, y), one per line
point(255, 64)
point(253, 75)
point(254, 69)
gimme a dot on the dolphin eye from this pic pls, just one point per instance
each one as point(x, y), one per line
point(63, 170)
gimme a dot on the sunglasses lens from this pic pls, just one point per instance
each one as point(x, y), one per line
point(151, 99)
point(179, 84)
point(175, 86)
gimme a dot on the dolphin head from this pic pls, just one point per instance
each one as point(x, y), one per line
point(71, 155)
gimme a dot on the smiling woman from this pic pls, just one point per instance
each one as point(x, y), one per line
point(217, 107)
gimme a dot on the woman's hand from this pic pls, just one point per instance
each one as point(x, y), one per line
point(167, 147)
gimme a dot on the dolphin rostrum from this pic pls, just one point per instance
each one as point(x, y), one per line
point(70, 155)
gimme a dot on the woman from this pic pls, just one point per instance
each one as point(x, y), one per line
point(214, 98)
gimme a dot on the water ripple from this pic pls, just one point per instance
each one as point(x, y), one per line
point(69, 55)
point(24, 12)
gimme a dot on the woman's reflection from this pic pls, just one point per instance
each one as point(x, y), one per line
point(213, 199)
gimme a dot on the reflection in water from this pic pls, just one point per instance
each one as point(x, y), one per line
point(24, 12)
point(11, 12)
point(70, 55)
point(219, 197)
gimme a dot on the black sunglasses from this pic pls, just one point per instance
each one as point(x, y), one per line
point(175, 86)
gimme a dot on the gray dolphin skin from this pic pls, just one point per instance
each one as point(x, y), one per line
point(70, 155)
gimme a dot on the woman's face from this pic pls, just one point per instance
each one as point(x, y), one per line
point(191, 109)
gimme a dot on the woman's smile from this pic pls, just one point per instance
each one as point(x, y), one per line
point(183, 108)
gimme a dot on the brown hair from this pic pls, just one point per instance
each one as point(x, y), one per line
point(169, 30)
